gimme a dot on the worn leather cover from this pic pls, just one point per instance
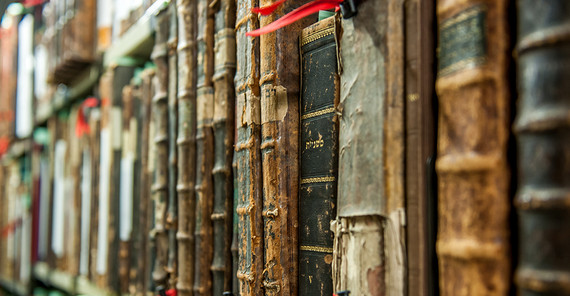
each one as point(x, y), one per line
point(94, 139)
point(223, 122)
point(186, 142)
point(543, 135)
point(473, 177)
point(279, 81)
point(144, 263)
point(235, 238)
point(204, 150)
point(172, 215)
point(248, 157)
point(160, 139)
point(320, 91)
point(420, 144)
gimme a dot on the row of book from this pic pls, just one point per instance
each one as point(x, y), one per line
point(343, 152)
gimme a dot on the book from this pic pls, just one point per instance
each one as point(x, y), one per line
point(542, 133)
point(204, 149)
point(318, 158)
point(160, 158)
point(371, 210)
point(279, 85)
point(420, 146)
point(223, 123)
point(473, 175)
point(235, 232)
point(8, 75)
point(172, 215)
point(249, 205)
point(95, 141)
point(186, 143)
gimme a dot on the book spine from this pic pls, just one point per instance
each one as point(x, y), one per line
point(235, 237)
point(186, 141)
point(224, 70)
point(420, 144)
point(318, 156)
point(279, 68)
point(143, 283)
point(138, 232)
point(473, 127)
point(94, 139)
point(172, 216)
point(249, 205)
point(366, 203)
point(543, 134)
point(126, 198)
point(204, 150)
point(160, 139)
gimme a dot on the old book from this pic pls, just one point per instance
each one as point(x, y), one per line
point(186, 143)
point(104, 23)
point(223, 122)
point(249, 205)
point(111, 87)
point(160, 158)
point(371, 209)
point(8, 76)
point(94, 139)
point(279, 83)
point(60, 197)
point(420, 145)
point(543, 136)
point(73, 192)
point(204, 149)
point(473, 176)
point(142, 285)
point(235, 233)
point(318, 155)
point(172, 214)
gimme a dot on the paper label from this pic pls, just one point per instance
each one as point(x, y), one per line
point(126, 202)
point(57, 243)
point(104, 176)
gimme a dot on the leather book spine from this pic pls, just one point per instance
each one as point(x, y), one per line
point(83, 30)
point(419, 84)
point(223, 123)
point(204, 150)
point(279, 81)
point(235, 237)
point(318, 158)
point(172, 215)
point(94, 139)
point(75, 190)
point(144, 264)
point(249, 205)
point(542, 131)
point(160, 139)
point(186, 142)
point(473, 128)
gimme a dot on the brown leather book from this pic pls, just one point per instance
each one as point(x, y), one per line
point(249, 204)
point(172, 214)
point(160, 158)
point(279, 84)
point(420, 145)
point(204, 150)
point(223, 123)
point(94, 139)
point(371, 200)
point(186, 142)
point(543, 135)
point(473, 127)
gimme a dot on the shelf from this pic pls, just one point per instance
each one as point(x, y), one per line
point(138, 40)
point(14, 287)
point(74, 285)
point(63, 281)
point(86, 287)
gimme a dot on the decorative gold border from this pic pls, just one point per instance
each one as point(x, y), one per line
point(318, 113)
point(317, 180)
point(317, 249)
point(316, 35)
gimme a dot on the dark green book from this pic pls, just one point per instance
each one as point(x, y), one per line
point(318, 156)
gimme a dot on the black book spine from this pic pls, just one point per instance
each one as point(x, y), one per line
point(543, 135)
point(319, 156)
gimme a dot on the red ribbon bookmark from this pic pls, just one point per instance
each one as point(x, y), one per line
point(293, 16)
point(82, 127)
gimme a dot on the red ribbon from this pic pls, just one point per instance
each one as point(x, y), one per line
point(30, 3)
point(82, 127)
point(171, 292)
point(291, 17)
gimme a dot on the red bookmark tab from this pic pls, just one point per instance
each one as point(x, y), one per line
point(295, 15)
point(82, 127)
point(30, 3)
point(267, 10)
point(171, 292)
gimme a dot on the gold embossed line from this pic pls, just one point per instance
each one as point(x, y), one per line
point(462, 16)
point(317, 180)
point(318, 113)
point(317, 249)
point(316, 36)
point(475, 61)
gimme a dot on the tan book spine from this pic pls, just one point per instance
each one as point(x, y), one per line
point(186, 142)
point(473, 176)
